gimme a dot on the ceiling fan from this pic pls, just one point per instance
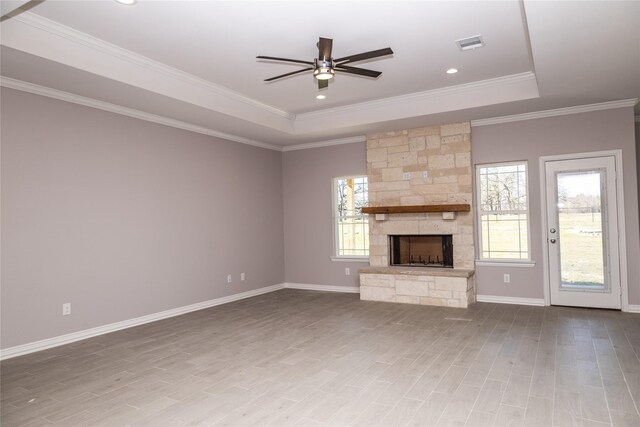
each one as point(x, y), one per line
point(324, 66)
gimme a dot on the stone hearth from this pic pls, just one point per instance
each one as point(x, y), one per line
point(421, 285)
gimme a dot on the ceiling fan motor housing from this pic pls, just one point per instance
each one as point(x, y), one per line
point(323, 69)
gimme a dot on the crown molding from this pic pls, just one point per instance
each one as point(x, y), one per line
point(420, 96)
point(498, 90)
point(48, 39)
point(125, 111)
point(35, 89)
point(329, 143)
point(23, 86)
point(71, 34)
point(556, 112)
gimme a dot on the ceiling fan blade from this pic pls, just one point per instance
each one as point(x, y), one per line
point(296, 61)
point(365, 55)
point(358, 71)
point(324, 49)
point(288, 74)
point(323, 83)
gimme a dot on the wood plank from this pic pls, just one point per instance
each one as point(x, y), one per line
point(416, 209)
point(296, 357)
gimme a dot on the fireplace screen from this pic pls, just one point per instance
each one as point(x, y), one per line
point(422, 250)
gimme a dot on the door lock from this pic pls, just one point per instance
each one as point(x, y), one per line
point(553, 230)
point(552, 240)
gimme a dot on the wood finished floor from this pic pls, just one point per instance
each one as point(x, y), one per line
point(303, 358)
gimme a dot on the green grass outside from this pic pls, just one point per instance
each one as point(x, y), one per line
point(581, 248)
point(580, 237)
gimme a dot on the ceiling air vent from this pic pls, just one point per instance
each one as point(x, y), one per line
point(470, 43)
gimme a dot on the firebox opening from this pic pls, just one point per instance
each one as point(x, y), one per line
point(422, 250)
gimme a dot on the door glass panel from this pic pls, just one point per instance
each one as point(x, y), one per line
point(581, 216)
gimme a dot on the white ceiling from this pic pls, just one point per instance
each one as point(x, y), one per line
point(195, 61)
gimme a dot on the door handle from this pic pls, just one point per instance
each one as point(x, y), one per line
point(553, 230)
point(552, 240)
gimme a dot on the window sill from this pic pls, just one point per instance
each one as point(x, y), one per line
point(350, 259)
point(517, 264)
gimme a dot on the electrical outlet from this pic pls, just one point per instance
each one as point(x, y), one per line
point(507, 278)
point(242, 277)
point(66, 309)
point(228, 278)
point(347, 271)
point(406, 176)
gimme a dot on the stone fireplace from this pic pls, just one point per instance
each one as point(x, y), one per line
point(420, 201)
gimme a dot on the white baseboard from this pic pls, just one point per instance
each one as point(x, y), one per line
point(510, 300)
point(324, 288)
point(633, 308)
point(32, 347)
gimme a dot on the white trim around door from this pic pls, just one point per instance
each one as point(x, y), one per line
point(617, 154)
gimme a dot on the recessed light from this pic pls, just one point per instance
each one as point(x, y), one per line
point(127, 2)
point(452, 70)
point(320, 97)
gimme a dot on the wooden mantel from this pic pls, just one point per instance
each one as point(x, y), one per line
point(416, 209)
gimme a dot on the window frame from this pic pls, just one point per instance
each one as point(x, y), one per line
point(479, 212)
point(334, 216)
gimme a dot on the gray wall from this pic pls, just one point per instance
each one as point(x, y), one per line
point(531, 139)
point(308, 234)
point(125, 218)
point(307, 196)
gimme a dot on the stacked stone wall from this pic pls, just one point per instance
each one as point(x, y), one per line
point(444, 153)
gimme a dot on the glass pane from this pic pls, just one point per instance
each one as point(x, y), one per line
point(580, 230)
point(504, 236)
point(352, 226)
point(351, 195)
point(503, 188)
point(353, 236)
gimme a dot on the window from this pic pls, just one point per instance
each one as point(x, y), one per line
point(351, 225)
point(503, 212)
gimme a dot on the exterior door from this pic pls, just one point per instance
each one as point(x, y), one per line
point(582, 234)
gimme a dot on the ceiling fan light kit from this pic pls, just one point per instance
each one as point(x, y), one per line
point(324, 70)
point(324, 66)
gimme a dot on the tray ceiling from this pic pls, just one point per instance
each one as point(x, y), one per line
point(195, 61)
